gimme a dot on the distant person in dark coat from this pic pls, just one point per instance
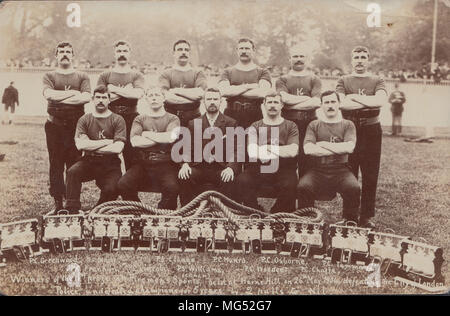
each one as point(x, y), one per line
point(397, 99)
point(10, 99)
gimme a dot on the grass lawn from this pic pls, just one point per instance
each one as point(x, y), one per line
point(413, 200)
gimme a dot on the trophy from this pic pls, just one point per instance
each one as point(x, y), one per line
point(349, 244)
point(19, 241)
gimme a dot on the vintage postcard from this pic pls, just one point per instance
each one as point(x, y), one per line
point(201, 148)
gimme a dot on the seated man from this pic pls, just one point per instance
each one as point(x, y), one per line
point(329, 140)
point(274, 142)
point(213, 169)
point(101, 135)
point(152, 135)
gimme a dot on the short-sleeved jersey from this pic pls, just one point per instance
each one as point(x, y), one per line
point(174, 78)
point(76, 80)
point(122, 105)
point(368, 85)
point(97, 128)
point(165, 123)
point(267, 134)
point(237, 77)
point(309, 85)
point(343, 131)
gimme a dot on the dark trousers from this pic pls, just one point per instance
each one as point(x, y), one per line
point(202, 174)
point(244, 118)
point(128, 150)
point(366, 156)
point(396, 120)
point(164, 175)
point(324, 182)
point(61, 153)
point(284, 181)
point(104, 170)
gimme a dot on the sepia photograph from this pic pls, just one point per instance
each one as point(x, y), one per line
point(250, 149)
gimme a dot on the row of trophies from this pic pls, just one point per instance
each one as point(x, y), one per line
point(397, 255)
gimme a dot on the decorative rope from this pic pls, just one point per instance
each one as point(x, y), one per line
point(208, 203)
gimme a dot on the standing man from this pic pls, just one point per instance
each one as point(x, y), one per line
point(152, 135)
point(397, 99)
point(300, 92)
point(126, 87)
point(272, 138)
point(67, 91)
point(362, 95)
point(329, 140)
point(215, 169)
point(245, 85)
point(101, 135)
point(183, 86)
point(10, 99)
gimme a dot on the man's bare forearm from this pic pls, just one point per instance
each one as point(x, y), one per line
point(285, 151)
point(370, 101)
point(59, 95)
point(82, 98)
point(176, 99)
point(258, 93)
point(91, 145)
point(129, 92)
point(316, 151)
point(292, 99)
point(160, 138)
point(114, 148)
point(193, 94)
point(234, 90)
point(338, 148)
point(141, 142)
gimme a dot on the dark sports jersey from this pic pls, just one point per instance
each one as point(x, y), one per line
point(122, 105)
point(308, 85)
point(165, 123)
point(174, 78)
point(368, 85)
point(343, 131)
point(97, 128)
point(237, 77)
point(74, 81)
point(287, 134)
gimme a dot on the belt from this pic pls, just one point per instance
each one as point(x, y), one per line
point(330, 160)
point(123, 109)
point(62, 122)
point(364, 121)
point(242, 106)
point(299, 115)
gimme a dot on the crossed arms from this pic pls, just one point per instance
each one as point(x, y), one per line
point(323, 148)
point(248, 90)
point(67, 96)
point(356, 101)
point(128, 92)
point(102, 146)
point(268, 152)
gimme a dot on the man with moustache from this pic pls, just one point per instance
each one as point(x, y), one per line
point(183, 85)
point(245, 85)
point(300, 92)
point(329, 140)
point(152, 135)
point(67, 91)
point(272, 138)
point(213, 169)
point(101, 135)
point(362, 95)
point(126, 87)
